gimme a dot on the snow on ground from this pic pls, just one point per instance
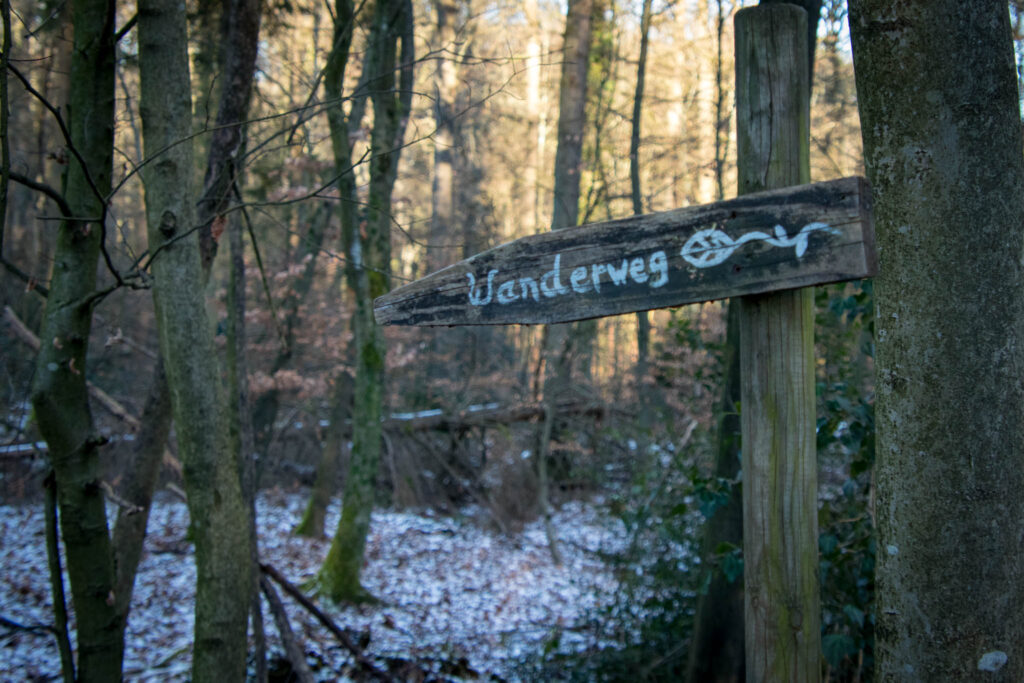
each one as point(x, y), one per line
point(449, 589)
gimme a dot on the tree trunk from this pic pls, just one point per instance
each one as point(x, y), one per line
point(59, 393)
point(559, 339)
point(942, 140)
point(341, 129)
point(780, 474)
point(5, 146)
point(138, 484)
point(340, 405)
point(442, 243)
point(643, 323)
point(717, 648)
point(369, 277)
point(241, 30)
point(442, 249)
point(219, 519)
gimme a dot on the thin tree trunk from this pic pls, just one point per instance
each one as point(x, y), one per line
point(60, 607)
point(390, 48)
point(241, 43)
point(219, 517)
point(340, 405)
point(565, 212)
point(942, 146)
point(341, 129)
point(441, 250)
point(59, 392)
point(442, 247)
point(5, 143)
point(243, 446)
point(721, 120)
point(643, 323)
point(139, 483)
point(717, 647)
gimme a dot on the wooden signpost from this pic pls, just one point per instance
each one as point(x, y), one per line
point(781, 239)
point(761, 247)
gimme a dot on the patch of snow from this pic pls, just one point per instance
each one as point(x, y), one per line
point(15, 448)
point(448, 588)
point(433, 412)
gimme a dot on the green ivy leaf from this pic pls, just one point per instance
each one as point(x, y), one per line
point(854, 614)
point(837, 647)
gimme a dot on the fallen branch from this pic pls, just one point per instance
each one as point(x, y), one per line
point(177, 491)
point(21, 331)
point(35, 629)
point(129, 507)
point(113, 406)
point(476, 416)
point(326, 621)
point(292, 648)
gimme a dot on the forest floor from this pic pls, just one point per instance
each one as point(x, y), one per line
point(456, 599)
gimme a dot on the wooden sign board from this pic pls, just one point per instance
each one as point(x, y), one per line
point(781, 239)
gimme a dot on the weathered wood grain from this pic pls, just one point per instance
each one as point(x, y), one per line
point(781, 239)
point(782, 633)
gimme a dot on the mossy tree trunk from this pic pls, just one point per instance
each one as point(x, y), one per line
point(59, 396)
point(343, 129)
point(780, 474)
point(939, 113)
point(218, 515)
point(390, 49)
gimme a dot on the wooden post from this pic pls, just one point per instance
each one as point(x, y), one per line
point(780, 529)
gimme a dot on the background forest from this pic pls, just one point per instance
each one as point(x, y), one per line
point(379, 142)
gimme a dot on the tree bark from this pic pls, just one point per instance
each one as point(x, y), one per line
point(780, 476)
point(442, 243)
point(219, 524)
point(5, 146)
point(139, 483)
point(59, 392)
point(942, 140)
point(572, 103)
